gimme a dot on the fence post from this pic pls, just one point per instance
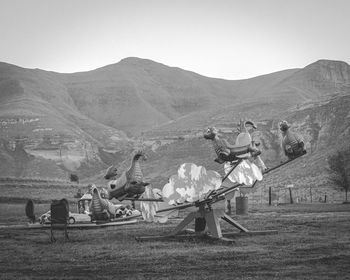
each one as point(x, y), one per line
point(310, 195)
point(291, 196)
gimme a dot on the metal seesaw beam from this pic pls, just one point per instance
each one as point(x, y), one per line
point(264, 172)
point(210, 217)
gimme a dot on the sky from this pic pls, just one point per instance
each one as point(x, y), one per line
point(229, 39)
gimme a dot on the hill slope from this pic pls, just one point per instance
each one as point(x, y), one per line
point(79, 122)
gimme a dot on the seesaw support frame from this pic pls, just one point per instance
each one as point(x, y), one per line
point(207, 223)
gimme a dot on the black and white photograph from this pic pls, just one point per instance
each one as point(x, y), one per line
point(174, 139)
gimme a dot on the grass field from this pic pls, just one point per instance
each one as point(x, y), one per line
point(313, 242)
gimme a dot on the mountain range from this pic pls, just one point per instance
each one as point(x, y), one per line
point(53, 124)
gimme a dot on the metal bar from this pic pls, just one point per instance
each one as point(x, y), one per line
point(273, 168)
point(145, 199)
point(265, 172)
point(228, 189)
point(182, 206)
point(228, 174)
point(231, 221)
point(281, 164)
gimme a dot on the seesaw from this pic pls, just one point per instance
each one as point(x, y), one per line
point(207, 219)
point(70, 226)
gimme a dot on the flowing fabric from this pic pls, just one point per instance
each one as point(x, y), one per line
point(245, 173)
point(191, 183)
point(149, 208)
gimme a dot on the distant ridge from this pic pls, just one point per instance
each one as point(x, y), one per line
point(137, 95)
point(97, 117)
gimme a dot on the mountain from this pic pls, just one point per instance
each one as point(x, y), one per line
point(271, 96)
point(84, 122)
point(36, 107)
point(135, 95)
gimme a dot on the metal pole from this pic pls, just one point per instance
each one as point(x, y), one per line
point(310, 195)
point(291, 196)
point(182, 206)
point(228, 174)
point(144, 199)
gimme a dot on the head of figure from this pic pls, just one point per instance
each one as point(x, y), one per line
point(104, 193)
point(284, 125)
point(90, 188)
point(140, 154)
point(210, 133)
point(244, 126)
point(249, 124)
point(111, 172)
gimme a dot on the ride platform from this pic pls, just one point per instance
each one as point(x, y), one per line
point(69, 226)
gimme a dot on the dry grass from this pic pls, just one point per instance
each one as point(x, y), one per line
point(40, 193)
point(313, 243)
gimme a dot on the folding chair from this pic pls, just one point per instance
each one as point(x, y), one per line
point(59, 217)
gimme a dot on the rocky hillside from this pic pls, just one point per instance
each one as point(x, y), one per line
point(53, 124)
point(324, 126)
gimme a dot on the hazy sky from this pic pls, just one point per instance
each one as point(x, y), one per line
point(227, 39)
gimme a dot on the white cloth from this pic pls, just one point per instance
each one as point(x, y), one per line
point(245, 173)
point(149, 208)
point(190, 184)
